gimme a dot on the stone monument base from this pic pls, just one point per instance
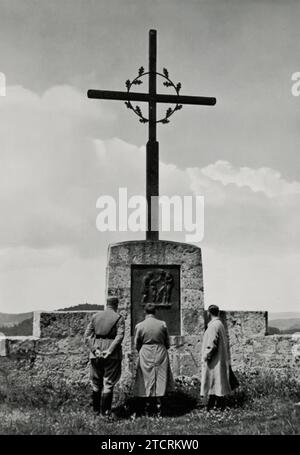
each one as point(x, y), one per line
point(170, 275)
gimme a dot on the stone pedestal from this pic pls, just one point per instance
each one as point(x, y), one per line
point(129, 265)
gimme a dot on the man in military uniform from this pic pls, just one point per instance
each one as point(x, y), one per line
point(104, 336)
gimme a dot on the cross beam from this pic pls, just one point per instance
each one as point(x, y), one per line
point(152, 154)
point(145, 97)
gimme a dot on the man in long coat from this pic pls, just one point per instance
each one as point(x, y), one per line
point(154, 377)
point(104, 336)
point(215, 362)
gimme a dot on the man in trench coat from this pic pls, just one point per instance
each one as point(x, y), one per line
point(154, 377)
point(215, 383)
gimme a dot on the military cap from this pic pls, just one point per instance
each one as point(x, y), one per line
point(112, 301)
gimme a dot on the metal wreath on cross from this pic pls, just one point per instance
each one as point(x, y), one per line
point(168, 83)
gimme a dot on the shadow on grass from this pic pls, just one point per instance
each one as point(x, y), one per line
point(237, 399)
point(174, 405)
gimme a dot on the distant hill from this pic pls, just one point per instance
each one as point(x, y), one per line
point(23, 328)
point(286, 324)
point(11, 319)
point(83, 307)
point(273, 330)
point(21, 324)
point(284, 315)
point(290, 331)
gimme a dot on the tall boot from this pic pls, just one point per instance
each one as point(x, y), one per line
point(96, 397)
point(147, 407)
point(106, 401)
point(221, 403)
point(158, 406)
point(211, 402)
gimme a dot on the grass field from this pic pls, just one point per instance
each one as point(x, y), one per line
point(261, 417)
point(261, 406)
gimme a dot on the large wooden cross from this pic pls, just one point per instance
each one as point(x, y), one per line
point(152, 153)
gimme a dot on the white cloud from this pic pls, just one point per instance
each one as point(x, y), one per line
point(264, 179)
point(48, 166)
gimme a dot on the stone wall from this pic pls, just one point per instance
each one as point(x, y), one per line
point(277, 354)
point(56, 352)
point(59, 354)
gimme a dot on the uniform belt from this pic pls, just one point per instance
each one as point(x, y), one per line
point(102, 337)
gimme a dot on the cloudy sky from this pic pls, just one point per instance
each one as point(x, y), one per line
point(60, 151)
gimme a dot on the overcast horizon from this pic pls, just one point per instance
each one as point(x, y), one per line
point(60, 151)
